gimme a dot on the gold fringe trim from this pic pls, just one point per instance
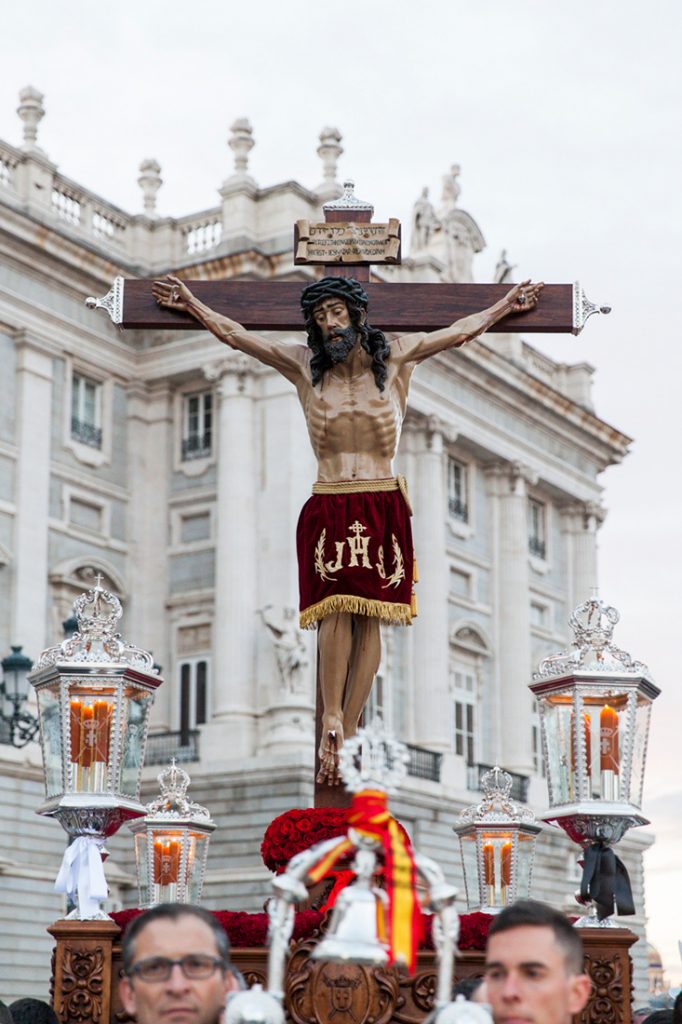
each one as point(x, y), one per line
point(387, 611)
point(356, 486)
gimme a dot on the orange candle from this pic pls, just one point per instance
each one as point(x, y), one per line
point(608, 740)
point(505, 862)
point(87, 736)
point(102, 713)
point(75, 726)
point(166, 861)
point(489, 863)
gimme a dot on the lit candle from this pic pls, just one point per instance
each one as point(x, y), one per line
point(505, 862)
point(608, 740)
point(166, 861)
point(489, 863)
point(87, 735)
point(102, 714)
point(75, 726)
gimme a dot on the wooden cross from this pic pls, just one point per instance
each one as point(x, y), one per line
point(275, 306)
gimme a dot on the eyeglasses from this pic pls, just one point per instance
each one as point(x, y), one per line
point(194, 966)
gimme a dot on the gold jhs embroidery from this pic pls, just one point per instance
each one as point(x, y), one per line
point(359, 556)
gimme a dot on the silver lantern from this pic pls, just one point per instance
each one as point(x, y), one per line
point(497, 844)
point(94, 694)
point(594, 703)
point(171, 843)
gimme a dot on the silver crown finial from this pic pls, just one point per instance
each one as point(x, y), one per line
point(373, 759)
point(348, 201)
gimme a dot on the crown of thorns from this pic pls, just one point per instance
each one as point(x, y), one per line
point(332, 288)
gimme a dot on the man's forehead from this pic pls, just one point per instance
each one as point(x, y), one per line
point(180, 935)
point(526, 943)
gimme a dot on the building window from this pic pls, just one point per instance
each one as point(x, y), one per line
point(464, 738)
point(377, 705)
point(536, 741)
point(537, 528)
point(458, 506)
point(197, 425)
point(193, 696)
point(86, 411)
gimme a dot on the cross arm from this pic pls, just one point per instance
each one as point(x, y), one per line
point(275, 306)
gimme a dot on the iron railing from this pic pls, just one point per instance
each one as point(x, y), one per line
point(196, 446)
point(537, 547)
point(520, 783)
point(458, 509)
point(424, 764)
point(86, 433)
point(162, 746)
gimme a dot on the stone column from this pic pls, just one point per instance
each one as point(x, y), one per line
point(512, 616)
point(32, 491)
point(580, 522)
point(235, 618)
point(432, 711)
point(150, 433)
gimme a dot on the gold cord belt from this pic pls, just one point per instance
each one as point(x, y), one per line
point(397, 483)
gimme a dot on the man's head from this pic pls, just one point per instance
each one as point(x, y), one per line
point(534, 966)
point(335, 312)
point(189, 946)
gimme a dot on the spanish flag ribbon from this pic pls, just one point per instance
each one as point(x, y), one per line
point(369, 815)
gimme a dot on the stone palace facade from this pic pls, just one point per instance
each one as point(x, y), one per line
point(176, 468)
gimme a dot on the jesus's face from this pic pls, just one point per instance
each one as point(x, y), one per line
point(339, 336)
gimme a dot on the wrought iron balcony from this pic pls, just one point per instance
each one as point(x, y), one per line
point(196, 446)
point(86, 433)
point(537, 547)
point(162, 746)
point(519, 790)
point(458, 509)
point(424, 764)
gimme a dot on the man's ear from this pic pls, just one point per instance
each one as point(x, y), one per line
point(127, 995)
point(581, 987)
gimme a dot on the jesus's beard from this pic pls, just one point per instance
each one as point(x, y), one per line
point(340, 343)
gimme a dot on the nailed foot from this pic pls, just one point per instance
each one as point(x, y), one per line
point(332, 741)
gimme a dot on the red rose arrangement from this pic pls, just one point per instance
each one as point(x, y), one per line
point(295, 831)
point(244, 930)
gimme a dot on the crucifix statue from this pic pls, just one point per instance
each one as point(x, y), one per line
point(354, 540)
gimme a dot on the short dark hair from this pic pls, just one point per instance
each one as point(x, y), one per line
point(32, 1011)
point(539, 915)
point(466, 987)
point(173, 912)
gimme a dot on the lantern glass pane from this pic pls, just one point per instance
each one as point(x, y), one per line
point(90, 731)
point(51, 735)
point(134, 726)
point(524, 865)
point(642, 717)
point(496, 848)
point(467, 843)
point(142, 861)
point(606, 712)
point(557, 717)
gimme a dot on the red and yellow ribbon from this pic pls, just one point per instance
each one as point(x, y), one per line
point(369, 815)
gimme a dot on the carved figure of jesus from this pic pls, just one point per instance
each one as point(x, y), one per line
point(353, 538)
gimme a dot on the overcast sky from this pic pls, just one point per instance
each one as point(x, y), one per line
point(565, 118)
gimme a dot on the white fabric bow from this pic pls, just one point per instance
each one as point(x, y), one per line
point(82, 874)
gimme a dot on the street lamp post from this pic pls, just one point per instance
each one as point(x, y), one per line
point(17, 726)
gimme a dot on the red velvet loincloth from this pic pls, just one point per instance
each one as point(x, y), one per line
point(355, 553)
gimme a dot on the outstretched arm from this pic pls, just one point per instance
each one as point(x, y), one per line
point(172, 293)
point(519, 299)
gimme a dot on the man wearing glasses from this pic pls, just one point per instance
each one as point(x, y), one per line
point(176, 966)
